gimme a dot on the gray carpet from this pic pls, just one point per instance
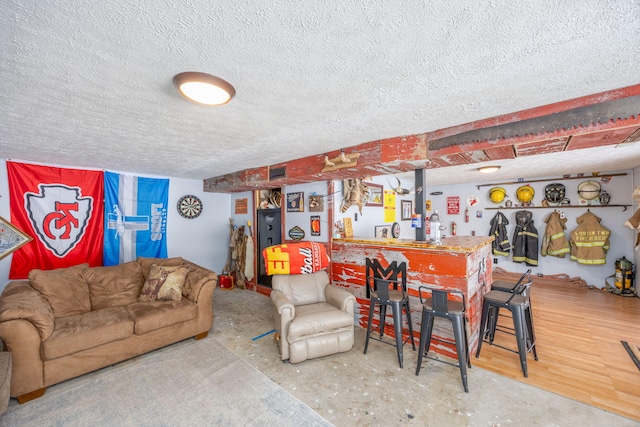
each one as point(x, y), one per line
point(191, 383)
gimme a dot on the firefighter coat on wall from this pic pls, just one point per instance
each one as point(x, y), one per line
point(590, 240)
point(525, 239)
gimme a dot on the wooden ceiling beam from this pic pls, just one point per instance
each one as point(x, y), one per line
point(606, 118)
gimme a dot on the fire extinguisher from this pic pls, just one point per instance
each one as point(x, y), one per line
point(624, 274)
point(466, 215)
point(453, 228)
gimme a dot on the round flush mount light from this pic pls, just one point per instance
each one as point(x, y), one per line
point(488, 169)
point(204, 88)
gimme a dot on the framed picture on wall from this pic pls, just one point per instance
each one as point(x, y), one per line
point(383, 231)
point(407, 209)
point(295, 202)
point(315, 225)
point(316, 203)
point(11, 238)
point(376, 194)
point(241, 206)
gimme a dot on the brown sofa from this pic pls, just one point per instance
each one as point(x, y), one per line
point(66, 322)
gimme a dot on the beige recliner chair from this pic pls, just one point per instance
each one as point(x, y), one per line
point(312, 317)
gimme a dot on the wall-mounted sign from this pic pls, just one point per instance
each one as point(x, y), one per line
point(242, 206)
point(472, 200)
point(295, 202)
point(315, 225)
point(296, 233)
point(348, 227)
point(389, 206)
point(316, 203)
point(453, 205)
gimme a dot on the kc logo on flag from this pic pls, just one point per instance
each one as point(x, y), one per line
point(62, 210)
point(59, 215)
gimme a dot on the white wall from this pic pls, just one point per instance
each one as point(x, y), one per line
point(622, 237)
point(203, 240)
point(303, 219)
point(5, 263)
point(364, 224)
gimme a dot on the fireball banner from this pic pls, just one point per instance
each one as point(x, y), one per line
point(295, 258)
point(135, 219)
point(62, 210)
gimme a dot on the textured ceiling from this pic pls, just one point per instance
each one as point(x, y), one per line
point(88, 84)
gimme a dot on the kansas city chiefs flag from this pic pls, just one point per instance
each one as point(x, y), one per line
point(135, 219)
point(62, 209)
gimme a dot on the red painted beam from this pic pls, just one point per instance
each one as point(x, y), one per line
point(403, 148)
point(541, 147)
point(597, 139)
point(409, 152)
point(543, 110)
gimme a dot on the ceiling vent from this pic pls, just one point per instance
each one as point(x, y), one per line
point(276, 173)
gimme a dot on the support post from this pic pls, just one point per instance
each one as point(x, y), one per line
point(420, 186)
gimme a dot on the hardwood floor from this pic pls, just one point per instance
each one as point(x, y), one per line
point(579, 333)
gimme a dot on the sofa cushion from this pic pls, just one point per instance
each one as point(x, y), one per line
point(64, 288)
point(153, 315)
point(83, 331)
point(164, 283)
point(117, 285)
point(146, 263)
point(317, 319)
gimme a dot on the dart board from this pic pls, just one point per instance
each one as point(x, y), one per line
point(189, 206)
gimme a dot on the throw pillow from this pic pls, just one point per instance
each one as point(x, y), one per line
point(65, 289)
point(164, 283)
point(146, 263)
point(113, 286)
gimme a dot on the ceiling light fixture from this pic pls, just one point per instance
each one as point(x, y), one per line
point(204, 88)
point(488, 169)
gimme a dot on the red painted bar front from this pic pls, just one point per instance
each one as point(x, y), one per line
point(462, 263)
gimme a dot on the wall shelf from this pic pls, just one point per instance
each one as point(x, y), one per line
point(624, 207)
point(525, 182)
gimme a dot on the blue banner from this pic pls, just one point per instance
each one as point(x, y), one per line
point(135, 218)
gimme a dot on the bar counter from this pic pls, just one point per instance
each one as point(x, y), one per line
point(460, 262)
point(450, 243)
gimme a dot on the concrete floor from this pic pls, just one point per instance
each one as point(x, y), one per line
point(354, 389)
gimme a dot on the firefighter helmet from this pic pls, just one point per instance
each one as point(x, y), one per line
point(589, 190)
point(497, 194)
point(605, 198)
point(554, 192)
point(525, 193)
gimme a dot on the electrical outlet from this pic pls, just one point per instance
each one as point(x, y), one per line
point(495, 260)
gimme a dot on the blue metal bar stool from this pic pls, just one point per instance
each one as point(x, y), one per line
point(519, 304)
point(388, 287)
point(439, 304)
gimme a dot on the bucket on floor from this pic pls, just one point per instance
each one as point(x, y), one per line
point(225, 282)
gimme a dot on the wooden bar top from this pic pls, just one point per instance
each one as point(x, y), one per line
point(449, 243)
